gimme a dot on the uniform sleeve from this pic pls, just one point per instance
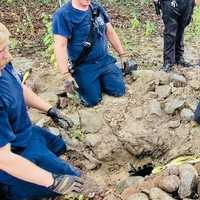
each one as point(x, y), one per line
point(6, 133)
point(61, 26)
point(105, 14)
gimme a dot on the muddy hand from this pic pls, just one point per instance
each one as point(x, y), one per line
point(60, 119)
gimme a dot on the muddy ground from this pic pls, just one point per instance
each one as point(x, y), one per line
point(141, 125)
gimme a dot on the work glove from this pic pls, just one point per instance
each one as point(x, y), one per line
point(59, 119)
point(123, 58)
point(66, 185)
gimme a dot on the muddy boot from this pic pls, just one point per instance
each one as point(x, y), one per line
point(167, 67)
point(183, 63)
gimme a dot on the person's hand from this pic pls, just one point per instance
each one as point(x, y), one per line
point(60, 119)
point(69, 84)
point(123, 58)
point(66, 185)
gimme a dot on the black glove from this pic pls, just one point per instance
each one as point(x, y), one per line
point(129, 66)
point(59, 118)
point(64, 184)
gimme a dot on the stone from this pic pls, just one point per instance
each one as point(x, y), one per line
point(91, 121)
point(187, 114)
point(188, 180)
point(54, 131)
point(138, 196)
point(178, 80)
point(130, 181)
point(154, 108)
point(111, 197)
point(42, 121)
point(169, 183)
point(158, 194)
point(194, 84)
point(174, 124)
point(173, 104)
point(191, 103)
point(49, 96)
point(163, 91)
point(92, 140)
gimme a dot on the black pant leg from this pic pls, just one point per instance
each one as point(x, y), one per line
point(170, 17)
point(179, 47)
point(184, 20)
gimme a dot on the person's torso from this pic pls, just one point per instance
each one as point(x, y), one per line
point(11, 94)
point(81, 24)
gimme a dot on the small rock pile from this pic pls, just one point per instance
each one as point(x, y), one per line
point(173, 183)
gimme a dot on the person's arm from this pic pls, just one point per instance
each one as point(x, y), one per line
point(23, 169)
point(35, 101)
point(114, 39)
point(61, 55)
point(197, 2)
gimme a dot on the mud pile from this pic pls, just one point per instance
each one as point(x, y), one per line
point(153, 121)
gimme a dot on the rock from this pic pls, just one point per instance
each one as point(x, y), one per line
point(163, 91)
point(54, 131)
point(147, 76)
point(178, 80)
point(92, 140)
point(188, 180)
point(187, 114)
point(154, 108)
point(174, 124)
point(194, 84)
point(42, 121)
point(49, 96)
point(191, 103)
point(138, 196)
point(91, 121)
point(169, 183)
point(173, 104)
point(130, 181)
point(198, 187)
point(108, 147)
point(158, 194)
point(111, 197)
point(171, 170)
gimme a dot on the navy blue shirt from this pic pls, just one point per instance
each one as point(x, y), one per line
point(75, 25)
point(15, 125)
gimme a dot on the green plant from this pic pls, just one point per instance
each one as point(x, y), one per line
point(194, 28)
point(150, 28)
point(78, 134)
point(48, 40)
point(135, 23)
point(13, 43)
point(45, 2)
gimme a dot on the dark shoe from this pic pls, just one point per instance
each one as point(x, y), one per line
point(167, 67)
point(198, 64)
point(183, 63)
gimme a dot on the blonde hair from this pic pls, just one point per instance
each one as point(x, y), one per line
point(4, 34)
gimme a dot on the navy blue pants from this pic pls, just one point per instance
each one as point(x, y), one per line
point(43, 150)
point(95, 78)
point(175, 20)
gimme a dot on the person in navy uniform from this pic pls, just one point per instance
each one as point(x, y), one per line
point(29, 164)
point(98, 72)
point(176, 16)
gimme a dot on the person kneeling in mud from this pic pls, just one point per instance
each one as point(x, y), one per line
point(29, 164)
